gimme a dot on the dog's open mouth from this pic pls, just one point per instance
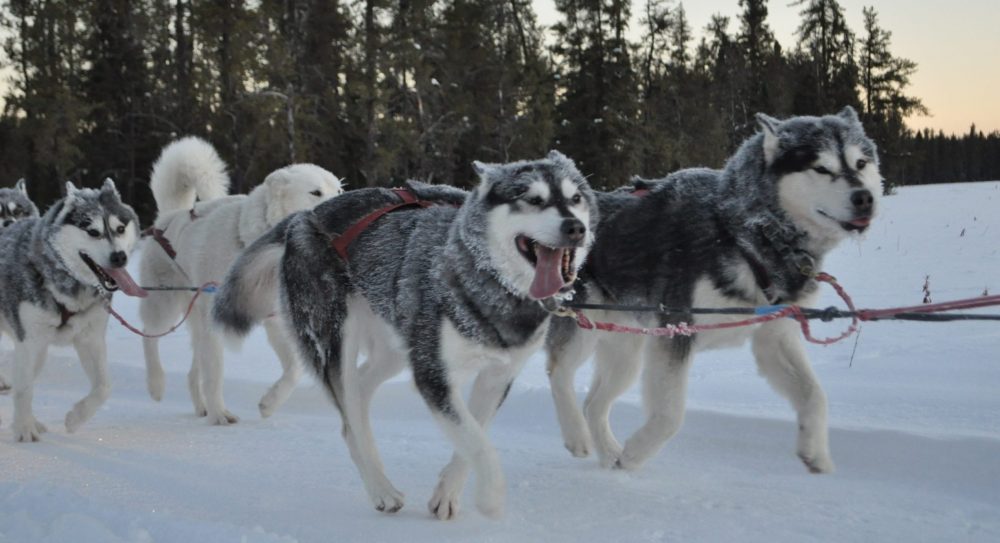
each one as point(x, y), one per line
point(112, 279)
point(857, 224)
point(554, 266)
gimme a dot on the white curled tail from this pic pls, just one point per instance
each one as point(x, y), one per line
point(187, 169)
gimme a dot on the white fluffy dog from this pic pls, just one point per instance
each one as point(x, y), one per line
point(207, 235)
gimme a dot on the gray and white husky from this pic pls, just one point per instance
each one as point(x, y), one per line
point(206, 236)
point(57, 274)
point(748, 235)
point(453, 291)
point(14, 206)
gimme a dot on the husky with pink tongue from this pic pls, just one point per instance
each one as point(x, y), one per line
point(454, 290)
point(58, 274)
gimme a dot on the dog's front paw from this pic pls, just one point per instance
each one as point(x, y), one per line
point(155, 383)
point(609, 456)
point(443, 504)
point(77, 416)
point(490, 501)
point(578, 447)
point(29, 431)
point(817, 463)
point(222, 418)
point(627, 461)
point(388, 500)
point(268, 404)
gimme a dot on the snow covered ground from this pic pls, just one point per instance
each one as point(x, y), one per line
point(915, 433)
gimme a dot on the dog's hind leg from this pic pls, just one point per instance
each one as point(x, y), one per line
point(488, 392)
point(28, 360)
point(382, 364)
point(617, 363)
point(93, 352)
point(194, 385)
point(664, 393)
point(350, 396)
point(564, 359)
point(781, 358)
point(208, 353)
point(291, 370)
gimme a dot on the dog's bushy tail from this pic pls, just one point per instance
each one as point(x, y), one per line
point(187, 169)
point(249, 292)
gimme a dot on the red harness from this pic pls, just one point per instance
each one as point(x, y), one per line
point(343, 241)
point(162, 240)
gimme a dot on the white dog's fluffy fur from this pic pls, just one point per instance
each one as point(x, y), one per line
point(207, 235)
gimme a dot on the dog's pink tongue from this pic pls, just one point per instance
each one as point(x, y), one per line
point(125, 282)
point(548, 272)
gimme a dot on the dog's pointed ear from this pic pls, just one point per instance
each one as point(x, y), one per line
point(109, 188)
point(849, 115)
point(71, 188)
point(769, 126)
point(483, 169)
point(559, 157)
point(21, 186)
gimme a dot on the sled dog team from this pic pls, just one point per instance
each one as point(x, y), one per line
point(455, 285)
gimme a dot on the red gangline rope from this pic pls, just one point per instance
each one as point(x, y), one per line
point(685, 329)
point(187, 314)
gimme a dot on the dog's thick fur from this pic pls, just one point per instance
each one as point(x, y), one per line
point(744, 236)
point(54, 294)
point(454, 292)
point(207, 236)
point(14, 206)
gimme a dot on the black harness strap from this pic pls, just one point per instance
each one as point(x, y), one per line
point(64, 314)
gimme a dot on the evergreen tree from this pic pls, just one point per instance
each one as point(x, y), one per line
point(598, 110)
point(826, 59)
point(884, 79)
point(45, 51)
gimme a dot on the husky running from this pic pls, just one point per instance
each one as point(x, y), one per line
point(58, 273)
point(751, 234)
point(453, 291)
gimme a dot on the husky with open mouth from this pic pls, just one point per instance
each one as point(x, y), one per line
point(751, 234)
point(58, 273)
point(453, 290)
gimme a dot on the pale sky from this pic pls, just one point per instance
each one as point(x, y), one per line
point(956, 45)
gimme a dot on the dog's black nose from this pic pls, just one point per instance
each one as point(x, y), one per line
point(119, 259)
point(862, 200)
point(574, 229)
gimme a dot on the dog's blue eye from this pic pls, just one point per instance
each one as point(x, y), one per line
point(120, 229)
point(94, 233)
point(861, 164)
point(576, 198)
point(536, 200)
point(821, 170)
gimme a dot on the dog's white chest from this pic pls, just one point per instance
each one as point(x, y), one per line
point(51, 327)
point(706, 295)
point(466, 356)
